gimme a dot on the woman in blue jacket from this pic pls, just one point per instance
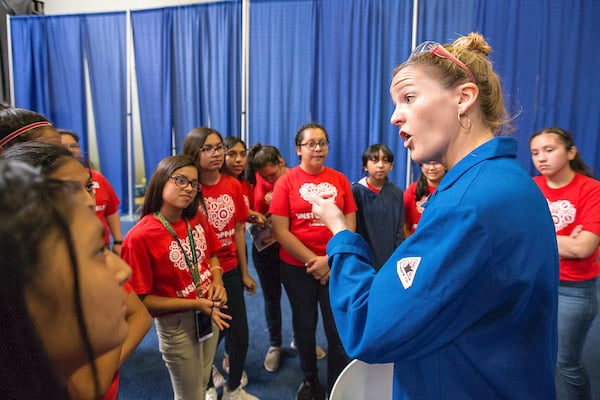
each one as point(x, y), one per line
point(466, 307)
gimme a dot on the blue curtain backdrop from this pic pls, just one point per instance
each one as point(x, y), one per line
point(48, 62)
point(30, 63)
point(152, 46)
point(105, 47)
point(219, 58)
point(188, 73)
point(282, 41)
point(48, 70)
point(328, 62)
point(540, 52)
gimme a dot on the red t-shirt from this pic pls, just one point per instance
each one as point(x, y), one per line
point(412, 208)
point(577, 203)
point(113, 389)
point(157, 261)
point(247, 190)
point(107, 201)
point(263, 193)
point(291, 199)
point(226, 207)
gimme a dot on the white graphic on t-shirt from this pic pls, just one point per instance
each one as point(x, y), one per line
point(563, 213)
point(220, 210)
point(420, 203)
point(176, 255)
point(268, 197)
point(406, 269)
point(309, 190)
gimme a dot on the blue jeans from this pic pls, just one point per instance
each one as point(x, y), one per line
point(305, 295)
point(577, 307)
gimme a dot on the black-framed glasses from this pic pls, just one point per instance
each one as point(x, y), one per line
point(438, 50)
point(182, 182)
point(323, 144)
point(210, 150)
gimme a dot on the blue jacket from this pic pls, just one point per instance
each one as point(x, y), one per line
point(466, 306)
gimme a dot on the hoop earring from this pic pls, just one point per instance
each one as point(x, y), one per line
point(461, 124)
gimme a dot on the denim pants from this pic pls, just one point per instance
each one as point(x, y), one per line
point(305, 293)
point(577, 307)
point(188, 361)
point(267, 266)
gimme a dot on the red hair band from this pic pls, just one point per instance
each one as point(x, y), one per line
point(22, 130)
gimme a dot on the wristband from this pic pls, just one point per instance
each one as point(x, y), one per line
point(119, 242)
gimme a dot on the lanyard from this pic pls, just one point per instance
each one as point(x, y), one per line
point(193, 266)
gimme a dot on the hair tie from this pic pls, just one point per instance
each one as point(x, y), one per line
point(22, 130)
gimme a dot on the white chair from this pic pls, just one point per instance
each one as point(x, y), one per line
point(362, 381)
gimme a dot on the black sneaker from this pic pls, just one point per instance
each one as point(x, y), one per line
point(310, 391)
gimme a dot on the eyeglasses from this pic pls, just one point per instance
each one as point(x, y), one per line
point(182, 182)
point(440, 51)
point(210, 150)
point(431, 164)
point(323, 144)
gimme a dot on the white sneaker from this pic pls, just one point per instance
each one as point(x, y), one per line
point(272, 359)
point(319, 351)
point(225, 365)
point(244, 380)
point(211, 394)
point(237, 394)
point(217, 377)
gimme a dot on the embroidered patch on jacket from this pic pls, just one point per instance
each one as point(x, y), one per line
point(406, 269)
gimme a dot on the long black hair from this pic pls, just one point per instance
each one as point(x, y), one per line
point(194, 140)
point(19, 125)
point(229, 142)
point(422, 188)
point(565, 138)
point(260, 156)
point(46, 156)
point(162, 173)
point(33, 209)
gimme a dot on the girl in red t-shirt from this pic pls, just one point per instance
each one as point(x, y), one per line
point(573, 196)
point(227, 213)
point(418, 192)
point(172, 252)
point(303, 238)
point(58, 162)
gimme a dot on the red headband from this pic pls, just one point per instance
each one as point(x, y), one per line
point(22, 130)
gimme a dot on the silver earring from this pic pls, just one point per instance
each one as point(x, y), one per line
point(461, 124)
